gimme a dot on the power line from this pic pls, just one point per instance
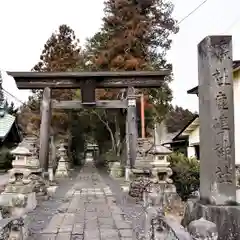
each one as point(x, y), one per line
point(192, 12)
point(17, 99)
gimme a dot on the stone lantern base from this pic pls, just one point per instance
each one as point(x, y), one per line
point(62, 169)
point(19, 190)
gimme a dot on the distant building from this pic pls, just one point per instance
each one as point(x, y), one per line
point(9, 131)
point(190, 133)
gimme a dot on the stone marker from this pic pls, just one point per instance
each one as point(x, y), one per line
point(216, 114)
point(217, 154)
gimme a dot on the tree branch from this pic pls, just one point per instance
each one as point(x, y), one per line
point(108, 128)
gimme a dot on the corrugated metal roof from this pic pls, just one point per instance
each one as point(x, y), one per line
point(6, 122)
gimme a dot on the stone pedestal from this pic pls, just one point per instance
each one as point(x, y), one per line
point(202, 229)
point(20, 187)
point(25, 176)
point(31, 143)
point(63, 167)
point(226, 218)
point(116, 170)
point(161, 172)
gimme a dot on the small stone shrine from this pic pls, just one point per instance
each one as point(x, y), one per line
point(63, 166)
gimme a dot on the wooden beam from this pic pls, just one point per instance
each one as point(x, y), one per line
point(45, 129)
point(73, 80)
point(73, 84)
point(88, 75)
point(99, 104)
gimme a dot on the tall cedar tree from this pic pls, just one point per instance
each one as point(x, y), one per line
point(61, 53)
point(135, 36)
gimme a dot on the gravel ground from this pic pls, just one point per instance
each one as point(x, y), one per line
point(40, 217)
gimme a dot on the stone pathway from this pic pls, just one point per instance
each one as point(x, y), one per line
point(89, 212)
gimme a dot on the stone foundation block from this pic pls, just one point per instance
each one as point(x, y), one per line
point(226, 218)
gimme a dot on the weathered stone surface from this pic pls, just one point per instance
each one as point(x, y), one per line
point(138, 186)
point(216, 114)
point(116, 170)
point(47, 237)
point(89, 211)
point(63, 164)
point(64, 236)
point(226, 218)
point(202, 229)
point(13, 228)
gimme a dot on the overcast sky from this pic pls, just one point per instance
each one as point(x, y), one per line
point(26, 25)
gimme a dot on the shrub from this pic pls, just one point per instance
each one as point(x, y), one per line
point(185, 174)
point(5, 158)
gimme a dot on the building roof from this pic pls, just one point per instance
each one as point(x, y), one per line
point(236, 66)
point(6, 123)
point(191, 125)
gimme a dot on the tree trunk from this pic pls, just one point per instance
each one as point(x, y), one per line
point(117, 136)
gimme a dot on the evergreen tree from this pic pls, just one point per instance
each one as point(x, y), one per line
point(136, 36)
point(178, 118)
point(9, 108)
point(61, 53)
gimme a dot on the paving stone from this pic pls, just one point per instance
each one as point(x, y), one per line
point(77, 237)
point(89, 213)
point(63, 236)
point(79, 217)
point(94, 234)
point(123, 225)
point(65, 229)
point(63, 207)
point(126, 233)
point(56, 221)
point(110, 233)
point(78, 229)
point(69, 219)
point(46, 237)
point(50, 230)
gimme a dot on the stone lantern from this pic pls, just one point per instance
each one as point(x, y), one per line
point(164, 190)
point(20, 184)
point(160, 166)
point(63, 167)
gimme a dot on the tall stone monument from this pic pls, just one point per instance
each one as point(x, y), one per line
point(216, 114)
point(217, 148)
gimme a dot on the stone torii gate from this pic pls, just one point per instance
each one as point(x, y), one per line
point(88, 82)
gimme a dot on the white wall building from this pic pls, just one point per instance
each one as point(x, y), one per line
point(192, 129)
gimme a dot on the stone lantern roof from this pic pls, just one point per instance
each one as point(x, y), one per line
point(21, 151)
point(160, 150)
